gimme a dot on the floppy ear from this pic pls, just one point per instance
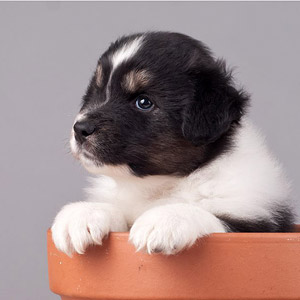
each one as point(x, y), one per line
point(216, 105)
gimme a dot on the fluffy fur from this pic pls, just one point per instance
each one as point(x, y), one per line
point(188, 165)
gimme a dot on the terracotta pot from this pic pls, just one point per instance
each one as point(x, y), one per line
point(222, 266)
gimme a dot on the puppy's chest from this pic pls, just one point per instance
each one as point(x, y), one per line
point(135, 200)
point(132, 196)
point(135, 196)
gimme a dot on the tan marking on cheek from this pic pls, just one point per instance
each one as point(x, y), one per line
point(99, 75)
point(135, 79)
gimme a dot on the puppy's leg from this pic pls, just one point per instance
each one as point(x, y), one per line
point(81, 224)
point(172, 227)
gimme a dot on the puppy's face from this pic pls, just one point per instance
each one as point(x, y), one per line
point(158, 104)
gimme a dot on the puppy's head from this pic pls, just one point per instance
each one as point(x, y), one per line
point(158, 104)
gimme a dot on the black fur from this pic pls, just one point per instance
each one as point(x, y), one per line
point(282, 220)
point(197, 108)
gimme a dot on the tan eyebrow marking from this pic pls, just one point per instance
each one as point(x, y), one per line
point(99, 75)
point(135, 79)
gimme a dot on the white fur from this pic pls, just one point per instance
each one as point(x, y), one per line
point(172, 227)
point(73, 144)
point(127, 51)
point(170, 213)
point(79, 117)
point(81, 224)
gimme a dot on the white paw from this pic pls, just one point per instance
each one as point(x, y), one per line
point(171, 228)
point(81, 224)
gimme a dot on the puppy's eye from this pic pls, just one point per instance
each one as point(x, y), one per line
point(143, 103)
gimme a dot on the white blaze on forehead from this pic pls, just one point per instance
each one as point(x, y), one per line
point(127, 51)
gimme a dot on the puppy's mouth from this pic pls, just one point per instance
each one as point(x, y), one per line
point(82, 152)
point(90, 162)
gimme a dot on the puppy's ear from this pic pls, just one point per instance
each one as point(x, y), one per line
point(216, 104)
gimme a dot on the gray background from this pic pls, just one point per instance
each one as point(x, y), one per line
point(48, 52)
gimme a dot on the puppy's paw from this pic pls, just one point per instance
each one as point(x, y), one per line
point(171, 228)
point(81, 224)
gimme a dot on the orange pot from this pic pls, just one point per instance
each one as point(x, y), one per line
point(222, 266)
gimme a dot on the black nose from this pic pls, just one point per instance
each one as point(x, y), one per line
point(83, 129)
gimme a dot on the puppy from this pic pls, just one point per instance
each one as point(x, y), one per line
point(162, 126)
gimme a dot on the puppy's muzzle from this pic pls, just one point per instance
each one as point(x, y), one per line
point(83, 129)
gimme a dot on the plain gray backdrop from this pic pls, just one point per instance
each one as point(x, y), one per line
point(48, 52)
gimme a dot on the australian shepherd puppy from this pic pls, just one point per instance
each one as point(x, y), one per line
point(162, 126)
